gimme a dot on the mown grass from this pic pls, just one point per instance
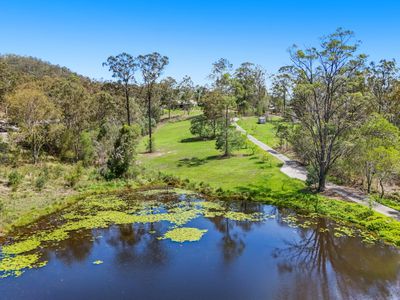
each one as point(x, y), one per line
point(181, 154)
point(266, 133)
point(195, 164)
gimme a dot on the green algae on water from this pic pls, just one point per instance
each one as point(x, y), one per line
point(21, 247)
point(97, 262)
point(15, 266)
point(185, 234)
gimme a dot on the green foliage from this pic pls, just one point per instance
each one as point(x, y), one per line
point(283, 132)
point(14, 179)
point(376, 153)
point(229, 141)
point(42, 179)
point(74, 176)
point(87, 150)
point(312, 176)
point(123, 156)
point(150, 142)
point(202, 127)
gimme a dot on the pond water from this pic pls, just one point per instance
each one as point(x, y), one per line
point(133, 247)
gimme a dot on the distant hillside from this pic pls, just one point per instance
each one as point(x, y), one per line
point(35, 67)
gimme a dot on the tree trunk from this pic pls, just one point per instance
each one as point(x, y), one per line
point(149, 119)
point(321, 179)
point(128, 110)
point(214, 128)
point(382, 188)
point(226, 133)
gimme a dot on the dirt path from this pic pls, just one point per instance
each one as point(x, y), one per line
point(294, 169)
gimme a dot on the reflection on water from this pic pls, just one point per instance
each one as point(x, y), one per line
point(336, 268)
point(234, 259)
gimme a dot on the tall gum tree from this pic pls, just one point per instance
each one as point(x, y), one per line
point(151, 65)
point(123, 68)
point(328, 97)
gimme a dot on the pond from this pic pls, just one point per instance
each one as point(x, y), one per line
point(160, 244)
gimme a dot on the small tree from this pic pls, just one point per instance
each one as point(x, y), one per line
point(387, 165)
point(34, 113)
point(375, 150)
point(124, 153)
point(230, 140)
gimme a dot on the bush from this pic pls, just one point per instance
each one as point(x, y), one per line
point(153, 146)
point(86, 149)
point(204, 128)
point(14, 179)
point(40, 182)
point(42, 179)
point(73, 178)
point(252, 147)
point(312, 177)
point(120, 162)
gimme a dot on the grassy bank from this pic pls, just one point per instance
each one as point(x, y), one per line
point(31, 191)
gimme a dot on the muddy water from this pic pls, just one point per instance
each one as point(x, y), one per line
point(279, 256)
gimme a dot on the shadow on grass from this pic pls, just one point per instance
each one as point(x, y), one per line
point(286, 192)
point(195, 161)
point(195, 139)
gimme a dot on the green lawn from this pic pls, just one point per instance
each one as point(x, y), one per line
point(263, 132)
point(179, 153)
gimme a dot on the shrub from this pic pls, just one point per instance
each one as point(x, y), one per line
point(73, 178)
point(40, 182)
point(86, 149)
point(312, 177)
point(120, 162)
point(204, 128)
point(252, 147)
point(14, 179)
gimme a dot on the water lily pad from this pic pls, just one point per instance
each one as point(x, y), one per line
point(185, 234)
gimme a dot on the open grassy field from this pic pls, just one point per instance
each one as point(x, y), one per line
point(266, 133)
point(181, 154)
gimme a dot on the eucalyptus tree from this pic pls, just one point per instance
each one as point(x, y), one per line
point(7, 82)
point(123, 68)
point(168, 93)
point(224, 102)
point(376, 154)
point(282, 87)
point(328, 98)
point(34, 113)
point(381, 80)
point(151, 66)
point(250, 88)
point(186, 93)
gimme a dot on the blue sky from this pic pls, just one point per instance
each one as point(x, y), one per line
point(82, 34)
